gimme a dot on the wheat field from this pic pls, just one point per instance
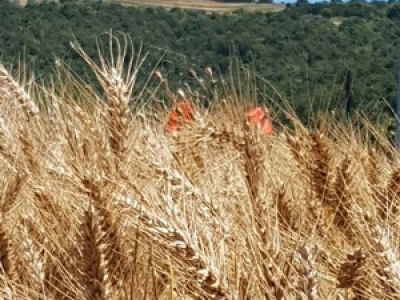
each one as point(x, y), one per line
point(99, 202)
point(208, 6)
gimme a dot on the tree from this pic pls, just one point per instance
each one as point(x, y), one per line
point(302, 2)
point(393, 13)
point(327, 12)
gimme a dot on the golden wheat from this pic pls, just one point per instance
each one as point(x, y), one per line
point(99, 202)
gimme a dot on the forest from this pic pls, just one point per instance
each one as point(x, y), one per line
point(315, 55)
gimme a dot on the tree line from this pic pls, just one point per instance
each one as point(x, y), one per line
point(306, 51)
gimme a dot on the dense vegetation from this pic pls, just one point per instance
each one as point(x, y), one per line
point(305, 50)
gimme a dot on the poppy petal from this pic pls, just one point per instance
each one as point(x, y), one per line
point(255, 112)
point(267, 127)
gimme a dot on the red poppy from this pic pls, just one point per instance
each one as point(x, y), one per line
point(172, 123)
point(182, 115)
point(266, 126)
point(186, 111)
point(257, 117)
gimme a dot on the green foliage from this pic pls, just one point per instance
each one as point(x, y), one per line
point(393, 12)
point(304, 51)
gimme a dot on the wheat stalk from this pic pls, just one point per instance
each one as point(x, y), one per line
point(11, 89)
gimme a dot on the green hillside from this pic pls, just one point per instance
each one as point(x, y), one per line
point(304, 50)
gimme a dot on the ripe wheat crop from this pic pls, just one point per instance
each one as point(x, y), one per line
point(99, 201)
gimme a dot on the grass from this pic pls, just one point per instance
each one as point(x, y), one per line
point(99, 202)
point(209, 6)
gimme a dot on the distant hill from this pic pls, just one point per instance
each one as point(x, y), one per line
point(306, 51)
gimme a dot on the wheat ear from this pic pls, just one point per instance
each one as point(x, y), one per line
point(110, 246)
point(33, 257)
point(390, 265)
point(11, 89)
point(372, 166)
point(390, 205)
point(319, 167)
point(310, 287)
point(118, 88)
point(165, 234)
point(350, 272)
point(8, 255)
point(95, 276)
point(342, 196)
point(286, 214)
point(297, 150)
